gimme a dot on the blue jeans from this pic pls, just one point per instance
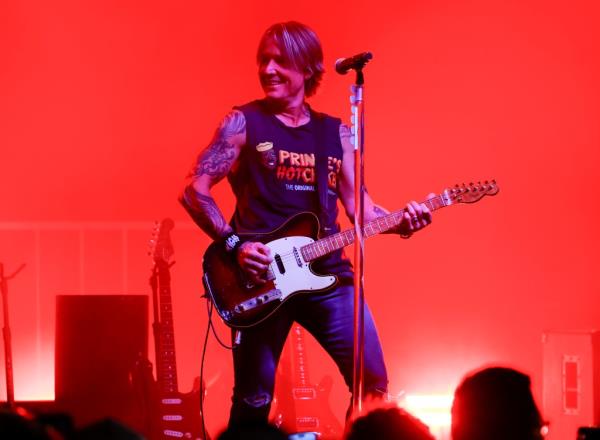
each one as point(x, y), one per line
point(329, 317)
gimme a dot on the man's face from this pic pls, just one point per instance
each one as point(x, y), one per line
point(280, 80)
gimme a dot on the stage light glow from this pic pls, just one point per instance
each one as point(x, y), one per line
point(431, 409)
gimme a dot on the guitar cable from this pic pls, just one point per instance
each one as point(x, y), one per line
point(209, 326)
point(210, 306)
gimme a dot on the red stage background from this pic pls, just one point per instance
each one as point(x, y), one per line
point(104, 106)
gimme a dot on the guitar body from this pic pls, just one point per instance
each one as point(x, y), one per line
point(242, 304)
point(300, 405)
point(310, 412)
point(177, 415)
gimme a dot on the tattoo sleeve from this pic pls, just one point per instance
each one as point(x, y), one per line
point(378, 211)
point(214, 162)
point(205, 213)
point(345, 132)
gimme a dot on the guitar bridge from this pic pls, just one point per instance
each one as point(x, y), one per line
point(252, 303)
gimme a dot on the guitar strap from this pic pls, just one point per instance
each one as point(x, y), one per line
point(327, 213)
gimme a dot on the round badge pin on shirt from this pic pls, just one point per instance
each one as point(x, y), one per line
point(267, 153)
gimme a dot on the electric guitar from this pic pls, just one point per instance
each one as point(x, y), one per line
point(302, 406)
point(294, 246)
point(174, 414)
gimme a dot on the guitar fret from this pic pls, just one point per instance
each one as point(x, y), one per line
point(379, 225)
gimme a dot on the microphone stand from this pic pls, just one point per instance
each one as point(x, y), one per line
point(10, 389)
point(358, 139)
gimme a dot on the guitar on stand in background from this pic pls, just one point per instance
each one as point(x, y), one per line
point(301, 406)
point(172, 414)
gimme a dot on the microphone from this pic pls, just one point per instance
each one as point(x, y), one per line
point(356, 62)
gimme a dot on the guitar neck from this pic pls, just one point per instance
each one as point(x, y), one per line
point(166, 365)
point(300, 367)
point(379, 225)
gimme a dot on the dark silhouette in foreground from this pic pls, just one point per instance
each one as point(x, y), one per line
point(390, 424)
point(495, 404)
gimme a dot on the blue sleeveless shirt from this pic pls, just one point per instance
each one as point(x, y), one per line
point(275, 176)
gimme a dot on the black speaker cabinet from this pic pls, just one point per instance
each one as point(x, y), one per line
point(99, 341)
point(571, 382)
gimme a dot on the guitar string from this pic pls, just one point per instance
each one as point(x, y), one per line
point(326, 242)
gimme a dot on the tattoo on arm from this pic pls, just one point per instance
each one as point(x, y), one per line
point(217, 158)
point(206, 213)
point(378, 211)
point(215, 162)
point(345, 132)
point(233, 123)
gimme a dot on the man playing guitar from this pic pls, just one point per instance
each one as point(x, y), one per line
point(270, 150)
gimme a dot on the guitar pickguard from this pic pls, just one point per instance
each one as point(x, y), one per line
point(294, 274)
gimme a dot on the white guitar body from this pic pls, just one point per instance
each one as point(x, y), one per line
point(292, 272)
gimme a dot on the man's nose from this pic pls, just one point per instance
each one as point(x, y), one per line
point(269, 67)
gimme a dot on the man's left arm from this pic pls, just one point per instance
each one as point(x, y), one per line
point(416, 215)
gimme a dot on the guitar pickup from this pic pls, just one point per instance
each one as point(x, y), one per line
point(297, 256)
point(257, 301)
point(306, 423)
point(305, 393)
point(279, 263)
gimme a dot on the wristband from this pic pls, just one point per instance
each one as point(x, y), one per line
point(232, 242)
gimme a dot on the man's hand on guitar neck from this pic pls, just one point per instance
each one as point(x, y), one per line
point(254, 259)
point(416, 216)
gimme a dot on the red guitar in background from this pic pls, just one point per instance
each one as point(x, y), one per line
point(172, 414)
point(300, 405)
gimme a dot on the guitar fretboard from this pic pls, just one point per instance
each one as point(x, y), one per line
point(379, 225)
point(301, 369)
point(166, 365)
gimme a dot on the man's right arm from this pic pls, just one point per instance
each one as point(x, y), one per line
point(212, 165)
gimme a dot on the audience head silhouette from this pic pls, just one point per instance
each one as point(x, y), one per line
point(390, 424)
point(252, 430)
point(495, 404)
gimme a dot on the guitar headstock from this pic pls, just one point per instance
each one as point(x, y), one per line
point(161, 247)
point(472, 192)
